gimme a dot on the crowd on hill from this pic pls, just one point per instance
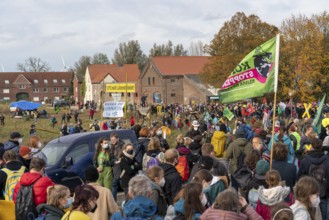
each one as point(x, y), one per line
point(216, 170)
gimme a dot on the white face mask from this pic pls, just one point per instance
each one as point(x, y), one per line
point(159, 133)
point(327, 133)
point(204, 200)
point(315, 200)
point(39, 144)
point(195, 128)
point(162, 182)
point(105, 146)
point(20, 140)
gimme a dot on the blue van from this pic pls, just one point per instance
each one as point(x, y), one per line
point(68, 156)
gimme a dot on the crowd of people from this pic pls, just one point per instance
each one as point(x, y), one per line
point(216, 170)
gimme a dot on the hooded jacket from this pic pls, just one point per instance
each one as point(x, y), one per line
point(270, 197)
point(53, 213)
point(158, 199)
point(139, 206)
point(218, 140)
point(286, 141)
point(11, 145)
point(173, 181)
point(314, 157)
point(234, 150)
point(218, 214)
point(41, 183)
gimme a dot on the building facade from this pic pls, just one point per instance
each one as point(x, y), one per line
point(174, 79)
point(34, 86)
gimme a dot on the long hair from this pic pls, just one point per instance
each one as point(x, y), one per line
point(55, 193)
point(99, 148)
point(304, 188)
point(192, 200)
point(82, 195)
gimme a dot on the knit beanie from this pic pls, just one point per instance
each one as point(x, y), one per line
point(23, 150)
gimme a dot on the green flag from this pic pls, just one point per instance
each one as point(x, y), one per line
point(318, 117)
point(255, 75)
point(228, 114)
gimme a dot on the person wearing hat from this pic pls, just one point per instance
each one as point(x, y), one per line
point(237, 150)
point(25, 156)
point(194, 130)
point(13, 143)
point(106, 205)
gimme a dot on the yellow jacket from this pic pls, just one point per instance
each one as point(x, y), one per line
point(76, 215)
point(218, 140)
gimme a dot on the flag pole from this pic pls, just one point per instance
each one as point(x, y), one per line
point(276, 71)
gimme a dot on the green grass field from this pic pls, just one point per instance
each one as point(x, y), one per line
point(47, 133)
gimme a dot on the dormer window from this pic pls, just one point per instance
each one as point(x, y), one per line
point(45, 81)
point(36, 81)
point(55, 80)
point(6, 81)
point(63, 81)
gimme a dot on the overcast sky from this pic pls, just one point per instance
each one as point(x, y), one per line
point(51, 29)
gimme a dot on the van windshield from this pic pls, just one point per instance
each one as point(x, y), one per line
point(53, 152)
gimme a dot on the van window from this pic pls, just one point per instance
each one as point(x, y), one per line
point(54, 152)
point(78, 152)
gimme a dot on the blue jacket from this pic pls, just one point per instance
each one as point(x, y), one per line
point(179, 208)
point(11, 145)
point(286, 141)
point(140, 206)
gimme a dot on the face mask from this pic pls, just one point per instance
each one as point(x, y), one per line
point(94, 209)
point(69, 203)
point(327, 133)
point(105, 146)
point(20, 140)
point(315, 200)
point(204, 200)
point(195, 128)
point(131, 152)
point(159, 133)
point(205, 188)
point(162, 182)
point(39, 144)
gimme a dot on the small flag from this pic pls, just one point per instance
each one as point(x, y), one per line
point(254, 76)
point(228, 114)
point(319, 116)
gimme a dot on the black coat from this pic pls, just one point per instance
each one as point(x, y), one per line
point(173, 182)
point(287, 172)
point(128, 166)
point(53, 213)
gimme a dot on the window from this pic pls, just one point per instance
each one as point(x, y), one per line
point(172, 80)
point(136, 94)
point(45, 81)
point(36, 99)
point(6, 91)
point(63, 81)
point(22, 86)
point(6, 81)
point(153, 80)
point(149, 81)
point(36, 81)
point(78, 152)
point(172, 94)
point(35, 90)
point(55, 80)
point(6, 98)
point(128, 94)
point(66, 89)
point(45, 90)
point(56, 90)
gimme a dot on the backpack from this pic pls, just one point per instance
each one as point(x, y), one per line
point(241, 178)
point(25, 207)
point(42, 216)
point(240, 160)
point(153, 161)
point(13, 178)
point(318, 172)
point(182, 167)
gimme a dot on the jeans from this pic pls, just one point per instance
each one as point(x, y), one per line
point(115, 186)
point(324, 206)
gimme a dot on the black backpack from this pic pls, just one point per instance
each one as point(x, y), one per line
point(25, 207)
point(240, 160)
point(318, 172)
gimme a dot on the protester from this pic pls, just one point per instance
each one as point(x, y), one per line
point(153, 155)
point(281, 212)
point(58, 199)
point(139, 204)
point(228, 205)
point(85, 201)
point(106, 206)
point(14, 142)
point(25, 156)
point(172, 177)
point(307, 198)
point(218, 140)
point(102, 158)
point(156, 175)
point(36, 146)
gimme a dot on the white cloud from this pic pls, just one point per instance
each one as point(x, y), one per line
point(50, 29)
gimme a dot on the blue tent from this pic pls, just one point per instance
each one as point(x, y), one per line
point(25, 105)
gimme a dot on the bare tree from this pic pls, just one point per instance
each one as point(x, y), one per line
point(33, 64)
point(196, 49)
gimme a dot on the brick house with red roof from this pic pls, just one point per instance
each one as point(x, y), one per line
point(98, 75)
point(34, 86)
point(174, 79)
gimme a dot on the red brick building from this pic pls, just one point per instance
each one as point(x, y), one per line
point(34, 86)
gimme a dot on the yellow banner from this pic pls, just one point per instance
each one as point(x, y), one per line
point(120, 87)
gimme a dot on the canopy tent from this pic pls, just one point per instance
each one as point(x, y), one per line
point(25, 105)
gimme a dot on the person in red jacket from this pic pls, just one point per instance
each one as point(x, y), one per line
point(132, 121)
point(41, 183)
